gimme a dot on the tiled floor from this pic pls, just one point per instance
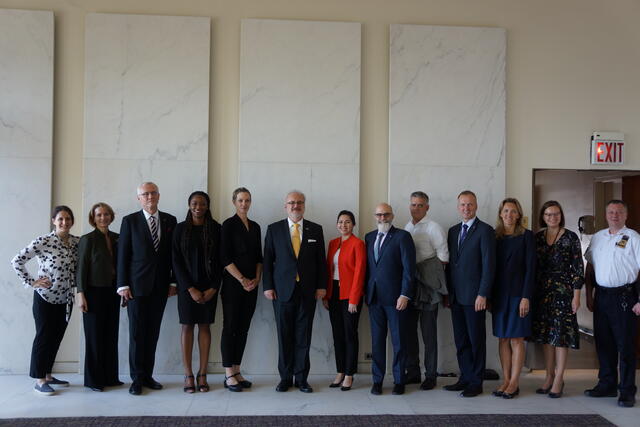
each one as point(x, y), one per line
point(17, 399)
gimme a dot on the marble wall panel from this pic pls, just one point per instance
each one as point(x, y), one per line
point(299, 128)
point(26, 125)
point(447, 129)
point(146, 119)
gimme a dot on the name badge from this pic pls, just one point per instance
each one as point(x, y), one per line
point(314, 240)
point(622, 243)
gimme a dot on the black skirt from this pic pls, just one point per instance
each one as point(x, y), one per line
point(190, 312)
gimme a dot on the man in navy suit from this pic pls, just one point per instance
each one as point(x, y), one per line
point(470, 273)
point(391, 266)
point(294, 277)
point(144, 277)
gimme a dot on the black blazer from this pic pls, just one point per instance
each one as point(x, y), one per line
point(186, 267)
point(139, 266)
point(393, 274)
point(96, 265)
point(281, 266)
point(241, 247)
point(471, 267)
point(515, 267)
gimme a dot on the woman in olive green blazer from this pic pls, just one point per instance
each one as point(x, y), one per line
point(98, 300)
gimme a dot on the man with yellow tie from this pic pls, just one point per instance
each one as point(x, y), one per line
point(294, 277)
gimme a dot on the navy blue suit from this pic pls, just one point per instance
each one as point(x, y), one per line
point(295, 302)
point(470, 273)
point(387, 279)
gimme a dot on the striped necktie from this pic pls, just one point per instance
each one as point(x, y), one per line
point(154, 233)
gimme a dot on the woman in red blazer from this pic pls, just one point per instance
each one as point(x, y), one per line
point(346, 264)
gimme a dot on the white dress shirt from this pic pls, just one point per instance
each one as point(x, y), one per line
point(615, 264)
point(429, 238)
point(291, 228)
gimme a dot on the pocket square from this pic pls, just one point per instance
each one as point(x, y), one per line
point(311, 240)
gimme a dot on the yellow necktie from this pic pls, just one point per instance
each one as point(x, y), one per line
point(295, 242)
point(295, 239)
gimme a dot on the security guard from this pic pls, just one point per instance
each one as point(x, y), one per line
point(614, 257)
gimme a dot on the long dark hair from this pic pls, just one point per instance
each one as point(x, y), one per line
point(207, 233)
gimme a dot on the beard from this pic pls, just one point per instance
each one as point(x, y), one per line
point(384, 227)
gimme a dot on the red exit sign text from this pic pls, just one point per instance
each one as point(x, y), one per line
point(607, 148)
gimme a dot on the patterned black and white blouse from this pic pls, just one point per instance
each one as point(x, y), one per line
point(56, 261)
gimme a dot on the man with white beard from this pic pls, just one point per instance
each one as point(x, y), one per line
point(391, 266)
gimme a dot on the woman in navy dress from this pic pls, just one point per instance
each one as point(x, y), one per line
point(515, 277)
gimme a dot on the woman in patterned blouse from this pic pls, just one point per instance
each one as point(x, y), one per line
point(56, 253)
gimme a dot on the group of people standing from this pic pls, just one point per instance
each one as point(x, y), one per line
point(530, 284)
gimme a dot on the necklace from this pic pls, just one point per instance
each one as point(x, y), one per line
point(555, 239)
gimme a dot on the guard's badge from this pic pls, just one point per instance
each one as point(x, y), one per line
point(622, 243)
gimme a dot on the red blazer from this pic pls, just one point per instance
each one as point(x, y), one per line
point(352, 264)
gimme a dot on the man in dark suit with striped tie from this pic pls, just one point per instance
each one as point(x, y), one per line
point(145, 281)
point(470, 273)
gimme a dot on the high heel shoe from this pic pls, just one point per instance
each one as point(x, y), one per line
point(544, 390)
point(338, 384)
point(506, 395)
point(497, 393)
point(346, 387)
point(204, 387)
point(189, 388)
point(231, 387)
point(556, 395)
point(244, 383)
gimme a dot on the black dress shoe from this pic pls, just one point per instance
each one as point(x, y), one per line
point(98, 388)
point(428, 384)
point(497, 393)
point(506, 395)
point(152, 384)
point(626, 401)
point(335, 385)
point(459, 386)
point(557, 395)
point(600, 392)
point(135, 389)
point(232, 387)
point(283, 386)
point(245, 383)
point(543, 390)
point(413, 380)
point(398, 389)
point(376, 389)
point(472, 392)
point(115, 383)
point(304, 387)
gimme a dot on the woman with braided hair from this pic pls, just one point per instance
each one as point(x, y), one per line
point(196, 265)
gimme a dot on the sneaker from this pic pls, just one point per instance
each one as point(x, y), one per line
point(55, 381)
point(44, 389)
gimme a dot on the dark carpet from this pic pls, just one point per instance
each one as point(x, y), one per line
point(324, 420)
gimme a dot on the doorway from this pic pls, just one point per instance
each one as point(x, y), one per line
point(583, 195)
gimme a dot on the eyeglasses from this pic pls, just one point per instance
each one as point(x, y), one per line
point(550, 215)
point(295, 202)
point(149, 194)
point(383, 214)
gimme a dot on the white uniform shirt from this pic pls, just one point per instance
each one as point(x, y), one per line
point(429, 238)
point(615, 263)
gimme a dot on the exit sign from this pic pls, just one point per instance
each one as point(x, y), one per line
point(607, 148)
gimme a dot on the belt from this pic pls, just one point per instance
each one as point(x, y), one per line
point(629, 287)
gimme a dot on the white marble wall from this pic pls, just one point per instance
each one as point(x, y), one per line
point(299, 128)
point(146, 119)
point(26, 125)
point(447, 130)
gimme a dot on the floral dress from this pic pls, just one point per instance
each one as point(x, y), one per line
point(560, 271)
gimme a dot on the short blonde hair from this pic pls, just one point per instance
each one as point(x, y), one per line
point(92, 212)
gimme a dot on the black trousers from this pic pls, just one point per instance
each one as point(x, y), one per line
point(294, 320)
point(145, 317)
point(469, 331)
point(101, 324)
point(427, 319)
point(344, 326)
point(51, 324)
point(238, 307)
point(615, 327)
